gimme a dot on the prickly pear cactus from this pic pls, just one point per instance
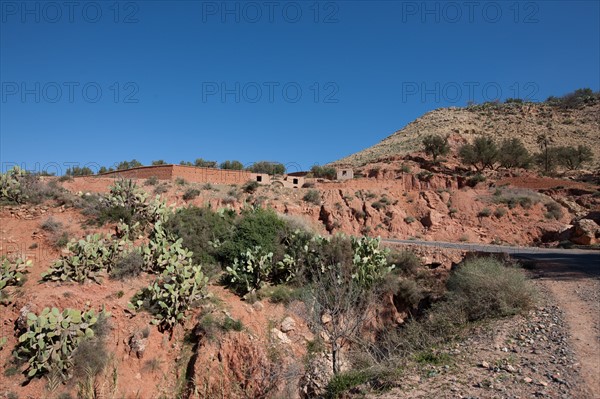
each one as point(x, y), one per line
point(172, 294)
point(250, 271)
point(11, 185)
point(11, 274)
point(370, 261)
point(51, 338)
point(88, 258)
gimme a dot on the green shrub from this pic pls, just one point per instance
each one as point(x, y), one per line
point(484, 213)
point(487, 288)
point(271, 168)
point(326, 172)
point(513, 154)
point(230, 324)
point(345, 381)
point(474, 180)
point(52, 337)
point(190, 194)
point(255, 227)
point(250, 186)
point(127, 265)
point(202, 231)
point(313, 197)
point(554, 211)
point(409, 220)
point(180, 181)
point(161, 189)
point(232, 165)
point(151, 181)
point(406, 262)
point(499, 212)
point(482, 153)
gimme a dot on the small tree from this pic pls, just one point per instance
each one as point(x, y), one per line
point(232, 165)
point(201, 163)
point(513, 154)
point(483, 153)
point(134, 163)
point(79, 171)
point(573, 157)
point(544, 141)
point(272, 168)
point(326, 172)
point(436, 145)
point(159, 162)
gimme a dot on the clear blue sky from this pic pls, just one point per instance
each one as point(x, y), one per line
point(186, 79)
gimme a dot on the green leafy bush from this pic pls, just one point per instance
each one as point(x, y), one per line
point(255, 227)
point(484, 213)
point(271, 168)
point(482, 153)
point(326, 172)
point(190, 194)
point(51, 338)
point(202, 231)
point(232, 165)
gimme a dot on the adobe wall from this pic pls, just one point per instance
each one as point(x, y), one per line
point(191, 174)
point(211, 175)
point(162, 172)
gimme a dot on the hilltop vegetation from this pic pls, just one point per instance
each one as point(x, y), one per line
point(570, 120)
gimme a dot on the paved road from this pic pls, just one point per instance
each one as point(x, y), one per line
point(559, 261)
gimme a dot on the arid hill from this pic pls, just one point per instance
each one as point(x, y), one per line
point(565, 126)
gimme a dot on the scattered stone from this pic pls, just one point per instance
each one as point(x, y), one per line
point(288, 324)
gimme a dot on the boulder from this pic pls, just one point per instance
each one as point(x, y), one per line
point(585, 232)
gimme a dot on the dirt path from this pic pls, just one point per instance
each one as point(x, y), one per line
point(579, 298)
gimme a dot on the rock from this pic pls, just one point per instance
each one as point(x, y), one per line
point(485, 365)
point(137, 344)
point(527, 380)
point(585, 232)
point(326, 318)
point(258, 306)
point(288, 324)
point(280, 335)
point(432, 218)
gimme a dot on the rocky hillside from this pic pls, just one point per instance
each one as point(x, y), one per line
point(565, 126)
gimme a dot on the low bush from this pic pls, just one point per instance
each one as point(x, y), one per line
point(499, 212)
point(250, 186)
point(406, 262)
point(488, 288)
point(554, 211)
point(151, 181)
point(128, 265)
point(313, 197)
point(409, 220)
point(203, 231)
point(484, 213)
point(190, 194)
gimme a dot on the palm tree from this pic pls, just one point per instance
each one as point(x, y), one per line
point(544, 141)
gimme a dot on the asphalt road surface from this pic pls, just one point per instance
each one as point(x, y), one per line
point(554, 261)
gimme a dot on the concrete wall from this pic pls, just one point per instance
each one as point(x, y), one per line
point(345, 174)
